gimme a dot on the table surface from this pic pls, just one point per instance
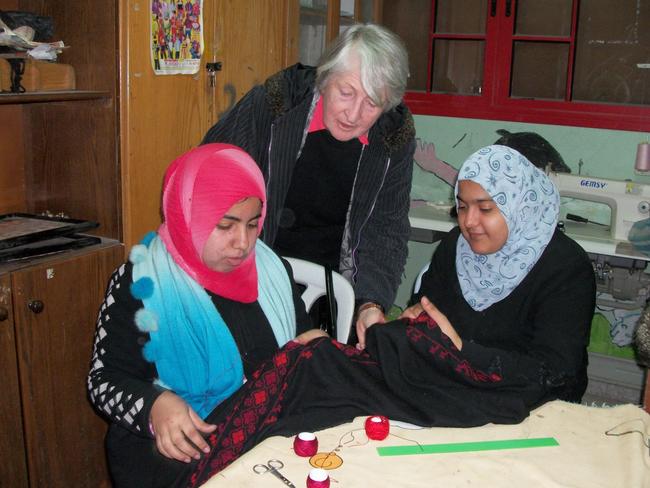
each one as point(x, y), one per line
point(585, 456)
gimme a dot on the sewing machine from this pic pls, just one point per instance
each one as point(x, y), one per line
point(629, 201)
point(619, 268)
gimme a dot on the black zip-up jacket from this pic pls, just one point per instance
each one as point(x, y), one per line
point(536, 338)
point(270, 122)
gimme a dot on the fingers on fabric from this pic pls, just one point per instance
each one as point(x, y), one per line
point(412, 312)
point(173, 444)
point(177, 428)
point(366, 319)
point(204, 427)
point(442, 321)
point(361, 335)
point(433, 312)
point(310, 335)
point(183, 441)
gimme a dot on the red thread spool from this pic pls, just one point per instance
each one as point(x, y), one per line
point(305, 444)
point(377, 427)
point(318, 478)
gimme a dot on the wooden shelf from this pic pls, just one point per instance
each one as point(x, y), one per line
point(51, 96)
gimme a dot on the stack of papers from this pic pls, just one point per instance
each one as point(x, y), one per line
point(21, 40)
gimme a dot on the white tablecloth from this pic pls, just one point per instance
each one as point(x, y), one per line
point(585, 457)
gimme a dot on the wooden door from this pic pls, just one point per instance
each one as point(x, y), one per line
point(163, 116)
point(55, 309)
point(252, 40)
point(13, 467)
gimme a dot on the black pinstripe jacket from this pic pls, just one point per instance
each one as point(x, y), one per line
point(270, 122)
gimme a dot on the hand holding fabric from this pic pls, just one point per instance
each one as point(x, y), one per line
point(442, 321)
point(412, 312)
point(177, 428)
point(365, 319)
point(310, 335)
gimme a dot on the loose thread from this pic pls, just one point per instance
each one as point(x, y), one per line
point(644, 440)
point(409, 440)
point(331, 460)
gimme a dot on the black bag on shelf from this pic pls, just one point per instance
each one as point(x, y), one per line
point(43, 26)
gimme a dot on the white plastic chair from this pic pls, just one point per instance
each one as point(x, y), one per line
point(312, 276)
point(418, 279)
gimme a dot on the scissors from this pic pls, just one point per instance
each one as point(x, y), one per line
point(272, 466)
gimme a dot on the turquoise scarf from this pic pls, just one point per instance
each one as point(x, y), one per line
point(194, 351)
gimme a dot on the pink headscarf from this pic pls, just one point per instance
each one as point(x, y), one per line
point(199, 188)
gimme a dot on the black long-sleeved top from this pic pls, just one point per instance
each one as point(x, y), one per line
point(121, 382)
point(536, 338)
point(271, 121)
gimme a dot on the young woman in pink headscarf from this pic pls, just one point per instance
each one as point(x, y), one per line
point(187, 320)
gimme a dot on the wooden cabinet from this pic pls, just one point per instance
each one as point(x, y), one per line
point(49, 432)
point(59, 154)
point(59, 151)
point(99, 153)
point(13, 468)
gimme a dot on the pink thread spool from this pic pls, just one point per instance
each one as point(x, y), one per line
point(305, 444)
point(377, 427)
point(318, 478)
point(642, 163)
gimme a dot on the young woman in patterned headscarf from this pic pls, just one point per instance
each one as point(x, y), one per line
point(188, 319)
point(513, 293)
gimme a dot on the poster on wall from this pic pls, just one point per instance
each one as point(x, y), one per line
point(176, 36)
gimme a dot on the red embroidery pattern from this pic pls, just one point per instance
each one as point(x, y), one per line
point(447, 352)
point(260, 405)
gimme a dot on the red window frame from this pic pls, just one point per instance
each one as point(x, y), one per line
point(495, 102)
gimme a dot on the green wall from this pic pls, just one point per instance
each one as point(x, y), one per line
point(605, 153)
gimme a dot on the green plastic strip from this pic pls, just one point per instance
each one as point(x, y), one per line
point(467, 446)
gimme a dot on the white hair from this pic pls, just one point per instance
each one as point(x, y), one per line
point(382, 57)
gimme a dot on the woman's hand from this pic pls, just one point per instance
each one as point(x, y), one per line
point(310, 335)
point(366, 318)
point(442, 321)
point(177, 428)
point(412, 312)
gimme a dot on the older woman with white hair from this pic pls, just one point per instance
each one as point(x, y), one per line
point(335, 145)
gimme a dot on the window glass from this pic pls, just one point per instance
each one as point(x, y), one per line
point(457, 66)
point(539, 70)
point(547, 18)
point(460, 16)
point(366, 8)
point(313, 23)
point(410, 20)
point(612, 61)
point(346, 14)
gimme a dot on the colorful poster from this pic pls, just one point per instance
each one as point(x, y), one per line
point(176, 36)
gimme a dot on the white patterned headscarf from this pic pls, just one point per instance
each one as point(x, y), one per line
point(529, 202)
